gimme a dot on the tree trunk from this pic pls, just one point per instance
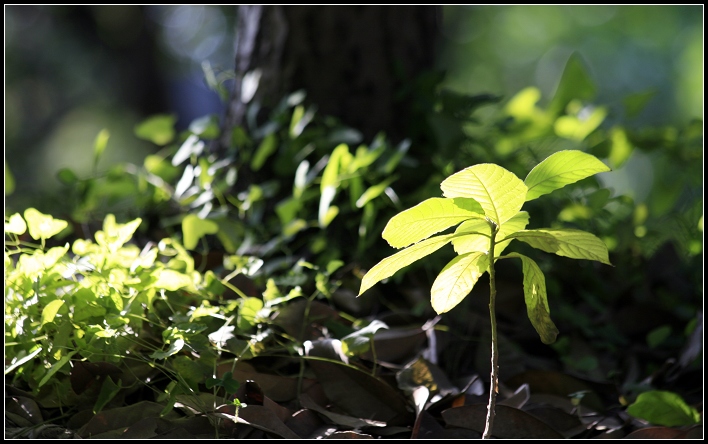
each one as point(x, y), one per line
point(352, 61)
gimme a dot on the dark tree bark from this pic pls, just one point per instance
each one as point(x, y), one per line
point(352, 61)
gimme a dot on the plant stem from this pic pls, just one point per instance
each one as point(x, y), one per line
point(494, 378)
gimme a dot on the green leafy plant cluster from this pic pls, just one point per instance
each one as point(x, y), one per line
point(109, 309)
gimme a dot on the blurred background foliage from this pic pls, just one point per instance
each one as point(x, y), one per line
point(72, 70)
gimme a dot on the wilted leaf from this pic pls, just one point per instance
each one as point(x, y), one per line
point(509, 423)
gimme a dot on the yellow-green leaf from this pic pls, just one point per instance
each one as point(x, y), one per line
point(560, 169)
point(468, 244)
point(171, 280)
point(390, 265)
point(456, 280)
point(664, 408)
point(99, 145)
point(575, 244)
point(159, 129)
point(427, 218)
point(43, 226)
point(194, 228)
point(536, 299)
point(15, 225)
point(50, 311)
point(500, 193)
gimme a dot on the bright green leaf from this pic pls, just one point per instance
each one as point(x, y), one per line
point(390, 265)
point(468, 244)
point(159, 129)
point(536, 299)
point(247, 315)
point(500, 193)
point(620, 148)
point(560, 169)
point(575, 244)
point(578, 128)
point(171, 280)
point(56, 367)
point(456, 280)
point(15, 225)
point(427, 218)
point(337, 162)
point(373, 192)
point(664, 408)
point(43, 226)
point(194, 228)
point(50, 311)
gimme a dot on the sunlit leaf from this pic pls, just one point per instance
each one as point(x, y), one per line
point(579, 127)
point(560, 169)
point(43, 226)
point(537, 300)
point(620, 148)
point(373, 192)
point(427, 218)
point(194, 228)
point(191, 146)
point(500, 193)
point(247, 314)
point(567, 242)
point(456, 280)
point(50, 311)
point(468, 244)
point(15, 225)
point(171, 280)
point(390, 265)
point(56, 367)
point(157, 129)
point(664, 408)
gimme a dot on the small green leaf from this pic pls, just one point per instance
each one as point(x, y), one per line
point(50, 311)
point(175, 347)
point(373, 192)
point(574, 84)
point(99, 145)
point(359, 341)
point(578, 128)
point(427, 218)
point(248, 313)
point(567, 242)
point(560, 169)
point(267, 147)
point(390, 265)
point(9, 180)
point(456, 280)
point(56, 367)
point(194, 228)
point(15, 225)
point(664, 408)
point(500, 193)
point(468, 244)
point(536, 299)
point(157, 129)
point(43, 226)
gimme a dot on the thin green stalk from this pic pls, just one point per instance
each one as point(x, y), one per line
point(494, 378)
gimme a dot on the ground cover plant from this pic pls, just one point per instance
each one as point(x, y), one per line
point(169, 301)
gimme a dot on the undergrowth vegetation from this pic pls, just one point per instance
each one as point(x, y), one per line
point(211, 292)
